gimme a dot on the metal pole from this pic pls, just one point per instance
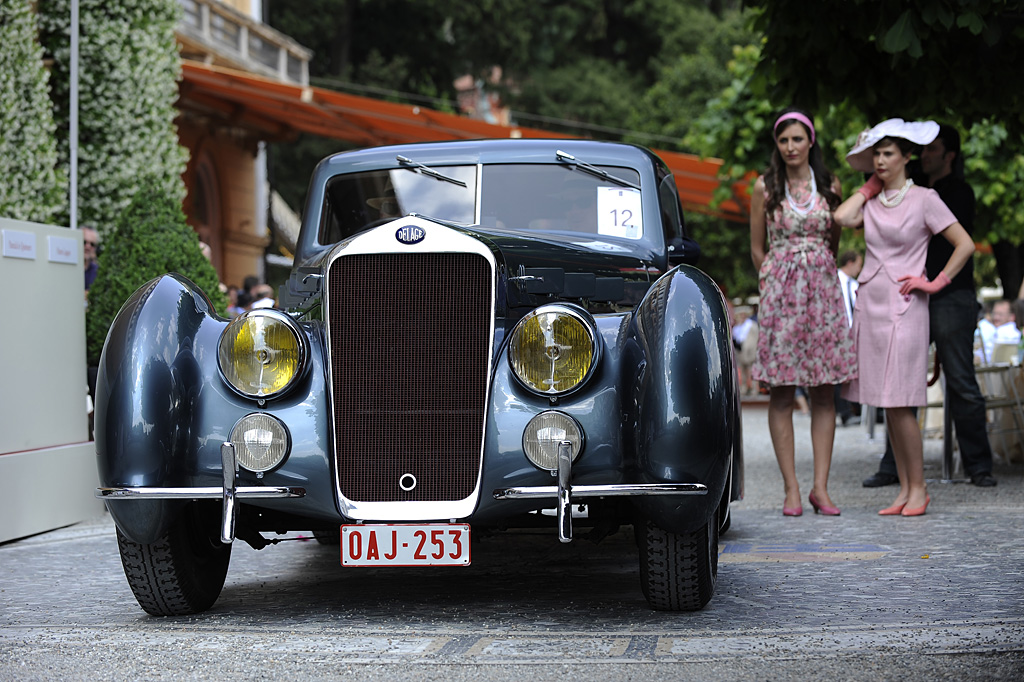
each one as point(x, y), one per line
point(73, 133)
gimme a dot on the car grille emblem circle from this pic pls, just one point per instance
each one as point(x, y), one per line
point(410, 234)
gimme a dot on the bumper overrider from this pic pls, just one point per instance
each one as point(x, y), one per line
point(228, 493)
point(564, 492)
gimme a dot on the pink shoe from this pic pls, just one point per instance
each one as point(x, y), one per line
point(823, 509)
point(894, 510)
point(792, 511)
point(919, 511)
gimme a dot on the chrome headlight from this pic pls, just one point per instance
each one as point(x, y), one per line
point(260, 440)
point(543, 434)
point(262, 353)
point(554, 349)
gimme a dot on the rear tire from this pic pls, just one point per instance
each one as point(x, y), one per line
point(182, 572)
point(678, 571)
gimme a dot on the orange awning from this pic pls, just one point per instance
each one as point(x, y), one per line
point(277, 110)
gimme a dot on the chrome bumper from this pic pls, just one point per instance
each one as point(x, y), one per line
point(564, 492)
point(228, 493)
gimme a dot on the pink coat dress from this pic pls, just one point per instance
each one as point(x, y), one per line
point(891, 330)
point(804, 338)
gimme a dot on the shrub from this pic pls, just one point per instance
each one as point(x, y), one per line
point(151, 239)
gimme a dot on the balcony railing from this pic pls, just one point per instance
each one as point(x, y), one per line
point(217, 33)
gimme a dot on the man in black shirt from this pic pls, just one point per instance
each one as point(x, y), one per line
point(954, 314)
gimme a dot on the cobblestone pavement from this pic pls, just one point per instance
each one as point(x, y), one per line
point(852, 597)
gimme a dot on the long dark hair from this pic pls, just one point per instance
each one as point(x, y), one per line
point(775, 175)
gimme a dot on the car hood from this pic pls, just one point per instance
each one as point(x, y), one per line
point(538, 268)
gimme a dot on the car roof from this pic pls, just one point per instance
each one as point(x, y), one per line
point(533, 150)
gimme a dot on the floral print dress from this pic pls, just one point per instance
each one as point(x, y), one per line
point(805, 338)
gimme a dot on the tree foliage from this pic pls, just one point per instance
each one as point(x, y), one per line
point(151, 239)
point(923, 59)
point(32, 187)
point(128, 72)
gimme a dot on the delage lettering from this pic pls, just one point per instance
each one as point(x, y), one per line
point(410, 234)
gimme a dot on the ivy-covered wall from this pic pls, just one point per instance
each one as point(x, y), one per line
point(128, 83)
point(32, 186)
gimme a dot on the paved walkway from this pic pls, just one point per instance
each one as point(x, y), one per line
point(855, 597)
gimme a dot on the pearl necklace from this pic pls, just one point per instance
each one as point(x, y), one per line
point(896, 200)
point(802, 208)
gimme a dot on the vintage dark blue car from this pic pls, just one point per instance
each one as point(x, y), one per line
point(476, 336)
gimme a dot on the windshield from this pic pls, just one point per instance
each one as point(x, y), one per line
point(560, 198)
point(521, 197)
point(358, 201)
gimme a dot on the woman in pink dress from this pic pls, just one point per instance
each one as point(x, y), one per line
point(890, 320)
point(804, 337)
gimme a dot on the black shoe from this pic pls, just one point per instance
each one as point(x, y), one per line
point(878, 479)
point(983, 480)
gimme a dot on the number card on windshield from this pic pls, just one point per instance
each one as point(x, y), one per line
point(618, 212)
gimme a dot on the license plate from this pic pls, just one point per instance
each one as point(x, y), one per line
point(400, 544)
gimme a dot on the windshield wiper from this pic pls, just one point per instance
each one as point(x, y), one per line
point(426, 170)
point(593, 170)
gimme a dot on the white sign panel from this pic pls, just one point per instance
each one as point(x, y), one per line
point(18, 244)
point(618, 212)
point(63, 250)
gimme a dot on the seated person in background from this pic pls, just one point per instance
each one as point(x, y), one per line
point(998, 328)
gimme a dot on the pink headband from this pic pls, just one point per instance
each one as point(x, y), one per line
point(796, 116)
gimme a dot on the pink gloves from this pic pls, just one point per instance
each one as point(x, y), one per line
point(921, 283)
point(872, 187)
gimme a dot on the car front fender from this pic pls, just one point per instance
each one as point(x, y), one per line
point(147, 387)
point(685, 407)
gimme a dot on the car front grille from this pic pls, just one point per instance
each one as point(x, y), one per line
point(409, 342)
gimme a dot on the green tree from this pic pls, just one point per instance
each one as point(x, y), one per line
point(128, 72)
point(151, 239)
point(913, 60)
point(32, 186)
point(994, 166)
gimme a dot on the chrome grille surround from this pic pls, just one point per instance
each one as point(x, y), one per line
point(408, 395)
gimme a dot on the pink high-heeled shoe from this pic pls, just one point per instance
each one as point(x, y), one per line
point(823, 509)
point(918, 511)
point(894, 510)
point(792, 511)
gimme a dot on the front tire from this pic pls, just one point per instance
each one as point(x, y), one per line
point(678, 571)
point(182, 572)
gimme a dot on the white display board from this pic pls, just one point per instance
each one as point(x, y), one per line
point(47, 464)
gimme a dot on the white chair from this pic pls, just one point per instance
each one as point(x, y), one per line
point(1002, 383)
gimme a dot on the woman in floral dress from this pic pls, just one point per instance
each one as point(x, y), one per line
point(890, 321)
point(805, 339)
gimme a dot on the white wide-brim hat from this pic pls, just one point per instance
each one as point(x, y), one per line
point(918, 132)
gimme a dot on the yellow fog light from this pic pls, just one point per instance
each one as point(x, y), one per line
point(543, 434)
point(261, 353)
point(260, 441)
point(553, 349)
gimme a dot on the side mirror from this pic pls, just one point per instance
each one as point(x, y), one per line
point(683, 251)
